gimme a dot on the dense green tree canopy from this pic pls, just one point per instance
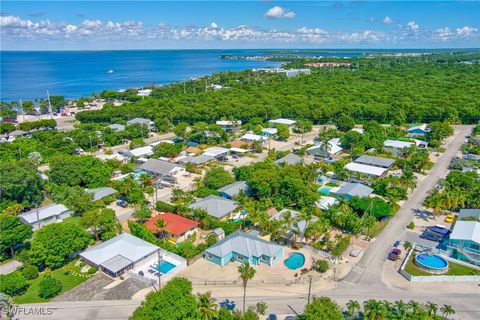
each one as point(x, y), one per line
point(14, 232)
point(217, 177)
point(103, 222)
point(322, 308)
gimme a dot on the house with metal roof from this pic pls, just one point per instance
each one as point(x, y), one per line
point(464, 242)
point(142, 121)
point(418, 130)
point(298, 226)
point(375, 161)
point(146, 151)
point(216, 152)
point(38, 218)
point(290, 158)
point(229, 125)
point(117, 127)
point(334, 147)
point(198, 160)
point(216, 206)
point(286, 122)
point(244, 248)
point(233, 189)
point(158, 167)
point(397, 147)
point(177, 228)
point(354, 189)
point(269, 132)
point(119, 254)
point(468, 213)
point(250, 137)
point(100, 193)
point(365, 170)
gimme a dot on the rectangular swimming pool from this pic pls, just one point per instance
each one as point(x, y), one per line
point(324, 190)
point(165, 267)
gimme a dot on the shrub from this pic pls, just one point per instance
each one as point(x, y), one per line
point(30, 272)
point(92, 270)
point(82, 264)
point(321, 266)
point(411, 225)
point(13, 283)
point(49, 287)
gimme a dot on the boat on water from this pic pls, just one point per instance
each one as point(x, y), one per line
point(110, 71)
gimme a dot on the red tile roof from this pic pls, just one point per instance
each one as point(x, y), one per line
point(176, 225)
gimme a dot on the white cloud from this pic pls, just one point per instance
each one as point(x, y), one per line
point(15, 22)
point(466, 31)
point(70, 28)
point(443, 33)
point(387, 20)
point(213, 25)
point(412, 26)
point(91, 23)
point(278, 12)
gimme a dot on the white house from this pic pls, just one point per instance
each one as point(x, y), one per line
point(146, 151)
point(397, 147)
point(333, 148)
point(287, 122)
point(144, 92)
point(216, 152)
point(45, 215)
point(250, 137)
point(418, 130)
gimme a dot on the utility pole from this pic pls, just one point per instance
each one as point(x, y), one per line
point(38, 216)
point(159, 273)
point(49, 105)
point(309, 288)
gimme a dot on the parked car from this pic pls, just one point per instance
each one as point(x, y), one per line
point(449, 218)
point(272, 316)
point(396, 244)
point(122, 203)
point(169, 178)
point(290, 318)
point(394, 254)
point(430, 236)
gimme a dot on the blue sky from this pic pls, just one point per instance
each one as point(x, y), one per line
point(72, 25)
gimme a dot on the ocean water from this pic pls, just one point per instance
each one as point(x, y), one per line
point(73, 74)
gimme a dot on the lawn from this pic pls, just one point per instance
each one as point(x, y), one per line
point(454, 269)
point(74, 219)
point(68, 282)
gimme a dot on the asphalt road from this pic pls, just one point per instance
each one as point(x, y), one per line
point(362, 284)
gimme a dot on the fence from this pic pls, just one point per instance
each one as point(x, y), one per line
point(239, 282)
point(435, 278)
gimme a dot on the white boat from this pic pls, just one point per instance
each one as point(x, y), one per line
point(110, 71)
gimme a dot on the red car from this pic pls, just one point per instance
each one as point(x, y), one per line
point(394, 254)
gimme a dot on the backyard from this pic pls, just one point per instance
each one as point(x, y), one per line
point(454, 269)
point(68, 281)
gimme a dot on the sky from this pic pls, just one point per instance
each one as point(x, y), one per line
point(105, 25)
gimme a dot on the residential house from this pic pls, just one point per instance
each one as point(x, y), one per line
point(240, 144)
point(117, 127)
point(326, 202)
point(351, 189)
point(464, 242)
point(468, 213)
point(298, 226)
point(216, 152)
point(142, 121)
point(228, 125)
point(366, 170)
point(177, 228)
point(334, 147)
point(290, 158)
point(232, 190)
point(397, 147)
point(418, 130)
point(358, 130)
point(100, 193)
point(119, 254)
point(386, 163)
point(193, 151)
point(144, 92)
point(287, 122)
point(250, 138)
point(244, 248)
point(216, 206)
point(161, 168)
point(38, 218)
point(269, 132)
point(146, 151)
point(198, 160)
point(219, 233)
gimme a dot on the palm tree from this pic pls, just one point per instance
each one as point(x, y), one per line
point(352, 307)
point(401, 307)
point(447, 310)
point(432, 308)
point(207, 306)
point(435, 201)
point(246, 273)
point(161, 227)
point(413, 306)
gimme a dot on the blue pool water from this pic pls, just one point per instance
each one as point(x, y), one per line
point(165, 267)
point(324, 190)
point(295, 261)
point(431, 261)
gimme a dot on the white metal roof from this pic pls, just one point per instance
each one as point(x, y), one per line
point(325, 202)
point(44, 213)
point(142, 151)
point(252, 137)
point(287, 122)
point(397, 144)
point(364, 168)
point(239, 150)
point(270, 130)
point(422, 127)
point(466, 230)
point(228, 122)
point(215, 151)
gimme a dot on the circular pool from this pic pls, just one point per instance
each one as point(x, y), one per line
point(431, 263)
point(295, 260)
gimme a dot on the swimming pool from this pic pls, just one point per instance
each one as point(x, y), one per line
point(164, 267)
point(295, 261)
point(324, 190)
point(431, 263)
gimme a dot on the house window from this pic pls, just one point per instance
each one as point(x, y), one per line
point(475, 246)
point(209, 256)
point(240, 257)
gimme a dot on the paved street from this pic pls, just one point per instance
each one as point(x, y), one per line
point(365, 282)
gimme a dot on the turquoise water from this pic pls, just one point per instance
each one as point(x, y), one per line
point(431, 261)
point(324, 190)
point(165, 267)
point(295, 261)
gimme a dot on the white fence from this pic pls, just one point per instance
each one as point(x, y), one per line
point(435, 278)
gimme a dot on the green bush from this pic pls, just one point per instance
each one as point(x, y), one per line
point(92, 270)
point(321, 266)
point(30, 272)
point(82, 264)
point(49, 287)
point(411, 225)
point(13, 284)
